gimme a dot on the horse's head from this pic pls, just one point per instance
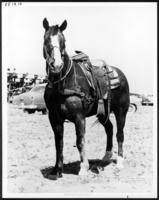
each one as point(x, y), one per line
point(54, 46)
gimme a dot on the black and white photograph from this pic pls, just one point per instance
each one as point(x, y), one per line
point(79, 100)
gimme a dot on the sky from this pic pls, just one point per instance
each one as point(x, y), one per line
point(122, 34)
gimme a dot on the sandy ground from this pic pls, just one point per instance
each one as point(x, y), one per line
point(31, 154)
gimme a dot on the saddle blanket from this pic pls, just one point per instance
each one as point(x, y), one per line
point(114, 78)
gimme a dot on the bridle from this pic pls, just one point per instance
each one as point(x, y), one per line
point(67, 72)
point(48, 58)
point(49, 61)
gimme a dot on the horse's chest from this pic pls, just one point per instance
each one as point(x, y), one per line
point(59, 107)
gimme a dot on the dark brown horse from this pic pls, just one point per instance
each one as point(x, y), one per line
point(68, 96)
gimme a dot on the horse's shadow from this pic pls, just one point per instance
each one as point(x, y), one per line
point(73, 168)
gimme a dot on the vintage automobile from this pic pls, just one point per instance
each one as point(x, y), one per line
point(147, 100)
point(135, 101)
point(132, 107)
point(33, 100)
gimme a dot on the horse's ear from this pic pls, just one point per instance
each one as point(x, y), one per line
point(63, 26)
point(45, 24)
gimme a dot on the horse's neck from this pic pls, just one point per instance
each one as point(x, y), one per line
point(66, 71)
point(66, 63)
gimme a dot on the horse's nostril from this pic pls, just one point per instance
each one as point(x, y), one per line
point(52, 66)
point(51, 61)
point(51, 47)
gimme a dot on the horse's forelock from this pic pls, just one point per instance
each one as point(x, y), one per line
point(54, 30)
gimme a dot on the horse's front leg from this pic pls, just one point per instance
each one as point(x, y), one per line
point(57, 126)
point(80, 141)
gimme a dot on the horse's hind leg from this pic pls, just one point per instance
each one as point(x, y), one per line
point(120, 115)
point(80, 142)
point(109, 131)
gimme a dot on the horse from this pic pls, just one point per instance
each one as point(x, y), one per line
point(68, 97)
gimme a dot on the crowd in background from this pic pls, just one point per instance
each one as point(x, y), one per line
point(21, 82)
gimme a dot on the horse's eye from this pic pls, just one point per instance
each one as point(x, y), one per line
point(48, 39)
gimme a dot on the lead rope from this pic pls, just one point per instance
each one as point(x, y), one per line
point(65, 74)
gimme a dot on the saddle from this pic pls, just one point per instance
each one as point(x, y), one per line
point(101, 69)
point(98, 74)
point(80, 56)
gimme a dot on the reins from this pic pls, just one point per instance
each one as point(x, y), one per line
point(61, 79)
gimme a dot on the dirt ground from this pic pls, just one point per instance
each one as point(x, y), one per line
point(31, 154)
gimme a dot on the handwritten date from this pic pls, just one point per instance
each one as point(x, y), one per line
point(13, 3)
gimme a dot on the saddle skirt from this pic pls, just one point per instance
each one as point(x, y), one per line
point(111, 72)
point(98, 73)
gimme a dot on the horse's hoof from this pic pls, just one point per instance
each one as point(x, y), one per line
point(120, 161)
point(107, 156)
point(120, 166)
point(95, 169)
point(54, 176)
point(84, 169)
point(83, 172)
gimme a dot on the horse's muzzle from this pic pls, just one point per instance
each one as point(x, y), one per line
point(55, 69)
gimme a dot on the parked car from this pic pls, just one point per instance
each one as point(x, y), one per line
point(132, 107)
point(33, 100)
point(147, 100)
